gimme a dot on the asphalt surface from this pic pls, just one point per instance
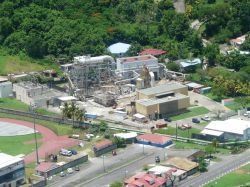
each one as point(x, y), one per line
point(130, 159)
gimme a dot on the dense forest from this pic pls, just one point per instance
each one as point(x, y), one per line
point(64, 28)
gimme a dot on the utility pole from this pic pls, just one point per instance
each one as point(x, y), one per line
point(176, 131)
point(33, 107)
point(104, 170)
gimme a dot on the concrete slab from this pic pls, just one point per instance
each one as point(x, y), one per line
point(11, 129)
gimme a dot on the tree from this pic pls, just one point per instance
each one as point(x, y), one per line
point(215, 144)
point(209, 150)
point(173, 66)
point(243, 101)
point(202, 164)
point(116, 184)
point(211, 52)
point(80, 113)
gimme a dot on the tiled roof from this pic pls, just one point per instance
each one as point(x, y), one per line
point(154, 52)
point(45, 166)
point(103, 144)
point(153, 138)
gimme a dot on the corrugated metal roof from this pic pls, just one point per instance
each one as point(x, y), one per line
point(162, 88)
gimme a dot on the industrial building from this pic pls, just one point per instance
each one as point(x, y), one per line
point(159, 101)
point(33, 93)
point(136, 63)
point(12, 171)
point(87, 74)
point(231, 129)
point(5, 88)
point(162, 89)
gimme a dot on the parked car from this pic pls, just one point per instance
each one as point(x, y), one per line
point(74, 152)
point(70, 170)
point(77, 168)
point(206, 118)
point(62, 174)
point(167, 119)
point(195, 120)
point(65, 152)
point(157, 159)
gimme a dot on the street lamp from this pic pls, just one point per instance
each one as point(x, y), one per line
point(126, 174)
point(104, 170)
point(33, 108)
point(176, 131)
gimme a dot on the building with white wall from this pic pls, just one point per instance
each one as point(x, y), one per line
point(32, 93)
point(12, 171)
point(136, 63)
point(230, 129)
point(5, 89)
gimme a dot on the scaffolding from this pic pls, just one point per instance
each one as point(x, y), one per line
point(88, 74)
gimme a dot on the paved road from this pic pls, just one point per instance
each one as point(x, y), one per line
point(131, 159)
point(228, 164)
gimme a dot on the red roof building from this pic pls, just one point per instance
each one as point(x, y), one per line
point(103, 144)
point(154, 140)
point(154, 52)
point(145, 180)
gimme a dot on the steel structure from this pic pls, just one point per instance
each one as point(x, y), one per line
point(89, 73)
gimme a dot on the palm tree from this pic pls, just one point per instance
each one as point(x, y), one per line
point(80, 113)
point(65, 110)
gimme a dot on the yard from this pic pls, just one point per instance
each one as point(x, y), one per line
point(172, 131)
point(15, 145)
point(238, 177)
point(191, 112)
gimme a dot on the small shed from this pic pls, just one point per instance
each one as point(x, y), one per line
point(103, 147)
point(128, 137)
point(139, 117)
point(119, 48)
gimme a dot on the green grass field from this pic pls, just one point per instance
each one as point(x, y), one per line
point(238, 177)
point(22, 63)
point(191, 112)
point(186, 145)
point(182, 133)
point(11, 103)
point(15, 145)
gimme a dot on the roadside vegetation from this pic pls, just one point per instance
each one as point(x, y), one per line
point(22, 144)
point(239, 177)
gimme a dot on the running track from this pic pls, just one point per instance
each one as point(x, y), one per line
point(51, 143)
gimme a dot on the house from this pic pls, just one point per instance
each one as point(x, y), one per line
point(159, 101)
point(103, 147)
point(166, 172)
point(119, 49)
point(36, 94)
point(231, 129)
point(44, 167)
point(154, 140)
point(188, 64)
point(237, 42)
point(194, 86)
point(5, 88)
point(196, 155)
point(154, 52)
point(136, 63)
point(12, 171)
point(144, 179)
point(183, 164)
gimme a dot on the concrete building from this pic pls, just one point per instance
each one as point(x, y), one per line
point(32, 93)
point(136, 63)
point(105, 98)
point(231, 129)
point(12, 171)
point(159, 101)
point(237, 42)
point(5, 89)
